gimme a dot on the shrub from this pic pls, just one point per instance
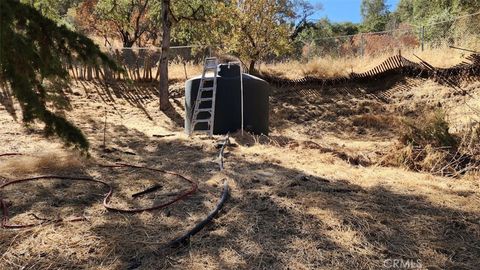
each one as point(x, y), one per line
point(427, 145)
point(431, 130)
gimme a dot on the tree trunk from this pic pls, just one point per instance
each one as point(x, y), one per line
point(166, 25)
point(251, 68)
point(127, 43)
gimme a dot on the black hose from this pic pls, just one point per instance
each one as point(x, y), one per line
point(184, 239)
point(222, 149)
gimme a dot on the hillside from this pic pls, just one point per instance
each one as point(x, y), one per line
point(311, 195)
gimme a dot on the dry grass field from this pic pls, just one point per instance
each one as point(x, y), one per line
point(331, 67)
point(311, 195)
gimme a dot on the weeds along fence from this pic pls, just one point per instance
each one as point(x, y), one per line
point(142, 64)
point(371, 44)
point(442, 31)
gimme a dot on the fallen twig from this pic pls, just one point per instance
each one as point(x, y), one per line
point(10, 154)
point(467, 50)
point(163, 135)
point(148, 190)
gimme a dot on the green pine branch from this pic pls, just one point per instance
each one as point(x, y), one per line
point(33, 51)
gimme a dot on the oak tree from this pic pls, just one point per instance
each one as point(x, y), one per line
point(261, 29)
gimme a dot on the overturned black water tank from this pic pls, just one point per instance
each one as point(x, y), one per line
point(228, 101)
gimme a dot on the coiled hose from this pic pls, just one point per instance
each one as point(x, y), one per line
point(106, 199)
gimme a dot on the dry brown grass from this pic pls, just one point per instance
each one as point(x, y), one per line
point(180, 71)
point(330, 67)
point(381, 121)
point(427, 143)
point(47, 162)
point(300, 199)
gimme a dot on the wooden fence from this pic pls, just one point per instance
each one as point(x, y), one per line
point(141, 65)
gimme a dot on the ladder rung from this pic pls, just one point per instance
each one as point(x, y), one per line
point(206, 89)
point(204, 110)
point(211, 63)
point(201, 121)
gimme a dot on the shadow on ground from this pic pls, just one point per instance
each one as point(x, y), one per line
point(276, 218)
point(279, 217)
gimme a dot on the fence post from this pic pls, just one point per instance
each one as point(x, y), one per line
point(423, 37)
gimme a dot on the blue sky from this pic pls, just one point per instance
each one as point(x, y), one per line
point(343, 10)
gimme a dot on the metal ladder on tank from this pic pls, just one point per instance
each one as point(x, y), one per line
point(205, 102)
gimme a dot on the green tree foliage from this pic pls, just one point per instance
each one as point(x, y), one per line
point(33, 52)
point(374, 14)
point(438, 18)
point(440, 26)
point(260, 29)
point(345, 28)
point(209, 25)
point(321, 32)
point(131, 21)
point(316, 39)
point(319, 29)
point(56, 10)
point(422, 11)
point(404, 11)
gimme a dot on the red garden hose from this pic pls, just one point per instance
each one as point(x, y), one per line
point(106, 199)
point(193, 188)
